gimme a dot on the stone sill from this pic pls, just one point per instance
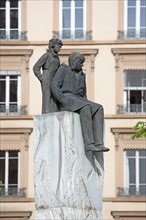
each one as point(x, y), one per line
point(125, 199)
point(15, 199)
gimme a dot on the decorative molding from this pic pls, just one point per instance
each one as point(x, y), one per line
point(126, 214)
point(120, 53)
point(16, 214)
point(26, 53)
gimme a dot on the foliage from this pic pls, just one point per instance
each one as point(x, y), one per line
point(140, 128)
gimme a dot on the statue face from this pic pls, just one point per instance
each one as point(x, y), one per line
point(79, 65)
point(57, 48)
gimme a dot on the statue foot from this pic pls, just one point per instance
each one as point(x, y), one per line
point(92, 147)
point(102, 148)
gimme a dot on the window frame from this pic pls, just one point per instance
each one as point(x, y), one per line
point(18, 59)
point(126, 59)
point(7, 28)
point(137, 158)
point(8, 80)
point(17, 139)
point(72, 27)
point(123, 142)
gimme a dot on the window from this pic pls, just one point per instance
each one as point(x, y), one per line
point(135, 90)
point(10, 19)
point(130, 163)
point(134, 172)
point(72, 19)
point(9, 172)
point(10, 89)
point(135, 18)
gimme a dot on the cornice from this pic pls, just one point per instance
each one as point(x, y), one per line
point(16, 52)
point(74, 42)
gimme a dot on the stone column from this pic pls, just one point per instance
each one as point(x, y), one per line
point(68, 182)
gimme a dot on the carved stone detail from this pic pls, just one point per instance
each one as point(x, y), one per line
point(67, 185)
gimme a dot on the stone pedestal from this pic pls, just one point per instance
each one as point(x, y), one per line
point(68, 182)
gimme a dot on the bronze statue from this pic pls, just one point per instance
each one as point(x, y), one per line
point(45, 69)
point(69, 90)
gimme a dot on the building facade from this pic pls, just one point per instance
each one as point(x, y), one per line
point(112, 36)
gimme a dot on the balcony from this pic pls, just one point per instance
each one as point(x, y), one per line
point(132, 34)
point(12, 35)
point(13, 110)
point(12, 191)
point(132, 191)
point(68, 35)
point(131, 109)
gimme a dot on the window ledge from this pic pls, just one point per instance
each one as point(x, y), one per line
point(17, 199)
point(124, 199)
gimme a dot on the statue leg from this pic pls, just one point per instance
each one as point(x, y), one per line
point(98, 126)
point(86, 125)
point(98, 129)
point(46, 93)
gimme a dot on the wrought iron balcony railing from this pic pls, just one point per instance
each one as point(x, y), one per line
point(12, 191)
point(67, 35)
point(12, 35)
point(132, 34)
point(131, 109)
point(132, 191)
point(13, 110)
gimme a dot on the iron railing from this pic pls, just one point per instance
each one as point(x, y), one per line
point(13, 110)
point(73, 36)
point(132, 34)
point(13, 35)
point(131, 109)
point(12, 191)
point(132, 191)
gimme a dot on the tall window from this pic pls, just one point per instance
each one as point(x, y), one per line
point(72, 19)
point(135, 19)
point(135, 90)
point(9, 172)
point(10, 19)
point(135, 175)
point(10, 97)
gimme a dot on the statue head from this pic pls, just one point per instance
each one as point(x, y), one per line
point(53, 42)
point(74, 59)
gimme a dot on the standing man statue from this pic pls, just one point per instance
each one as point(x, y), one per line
point(69, 90)
point(45, 69)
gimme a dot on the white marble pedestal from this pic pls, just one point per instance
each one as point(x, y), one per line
point(67, 185)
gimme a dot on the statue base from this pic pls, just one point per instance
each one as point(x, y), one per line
point(68, 181)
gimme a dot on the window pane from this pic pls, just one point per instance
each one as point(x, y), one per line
point(66, 3)
point(132, 190)
point(14, 19)
point(79, 34)
point(2, 170)
point(66, 18)
point(135, 78)
point(143, 17)
point(66, 34)
point(130, 152)
point(2, 19)
point(78, 3)
point(2, 3)
point(78, 18)
point(142, 153)
point(2, 90)
point(132, 176)
point(131, 2)
point(13, 171)
point(13, 91)
point(142, 170)
point(14, 3)
point(143, 2)
point(13, 153)
point(142, 190)
point(131, 17)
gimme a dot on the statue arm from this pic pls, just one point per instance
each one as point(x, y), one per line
point(37, 67)
point(57, 83)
